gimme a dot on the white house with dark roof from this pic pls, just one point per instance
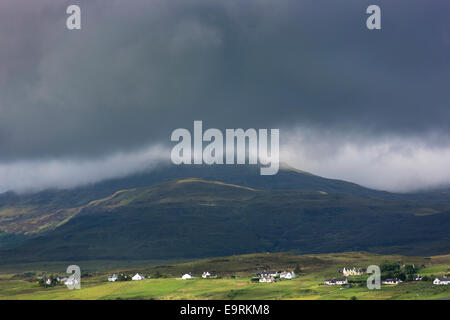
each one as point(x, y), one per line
point(268, 274)
point(267, 279)
point(287, 275)
point(333, 282)
point(209, 275)
point(391, 281)
point(112, 278)
point(441, 281)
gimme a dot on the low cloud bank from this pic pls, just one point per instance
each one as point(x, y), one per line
point(391, 163)
point(37, 175)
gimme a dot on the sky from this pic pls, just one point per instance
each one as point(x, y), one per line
point(367, 106)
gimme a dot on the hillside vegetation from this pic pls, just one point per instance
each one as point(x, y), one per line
point(195, 218)
point(33, 213)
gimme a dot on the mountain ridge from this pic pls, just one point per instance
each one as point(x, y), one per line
point(224, 195)
point(196, 218)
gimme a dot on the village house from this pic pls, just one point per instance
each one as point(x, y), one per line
point(353, 271)
point(391, 281)
point(112, 278)
point(268, 274)
point(209, 275)
point(187, 276)
point(441, 281)
point(267, 279)
point(287, 275)
point(333, 282)
point(137, 277)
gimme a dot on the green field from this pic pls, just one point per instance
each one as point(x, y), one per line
point(307, 285)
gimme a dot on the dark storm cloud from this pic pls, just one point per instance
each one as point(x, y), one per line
point(139, 69)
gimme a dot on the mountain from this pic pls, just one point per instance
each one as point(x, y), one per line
point(199, 217)
point(27, 215)
point(30, 214)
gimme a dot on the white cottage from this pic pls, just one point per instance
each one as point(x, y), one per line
point(353, 271)
point(112, 278)
point(187, 276)
point(208, 275)
point(137, 277)
point(441, 281)
point(391, 281)
point(333, 282)
point(267, 279)
point(268, 274)
point(287, 275)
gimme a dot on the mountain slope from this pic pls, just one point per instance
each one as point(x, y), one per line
point(191, 218)
point(35, 213)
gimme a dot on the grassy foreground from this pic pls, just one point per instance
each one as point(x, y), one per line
point(308, 285)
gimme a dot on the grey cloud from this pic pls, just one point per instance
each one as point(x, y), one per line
point(139, 69)
point(391, 163)
point(38, 175)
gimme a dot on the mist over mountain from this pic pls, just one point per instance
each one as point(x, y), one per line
point(200, 211)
